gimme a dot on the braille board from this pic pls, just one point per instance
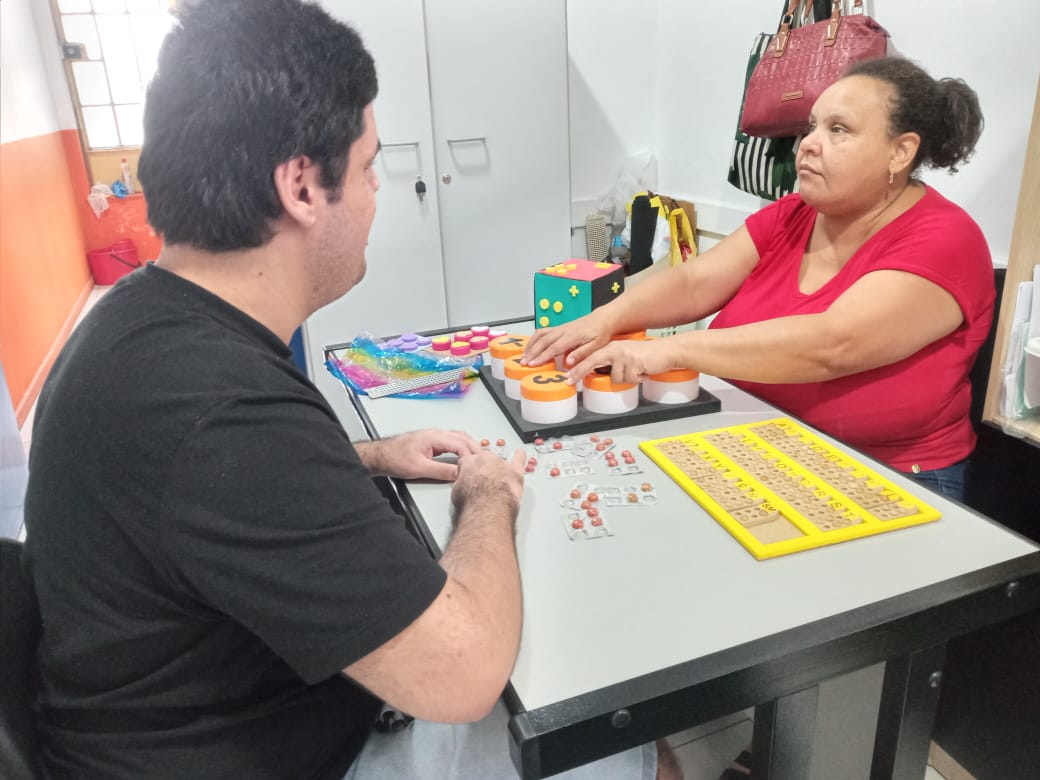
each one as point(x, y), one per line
point(591, 422)
point(779, 489)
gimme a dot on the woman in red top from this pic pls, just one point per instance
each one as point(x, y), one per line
point(857, 304)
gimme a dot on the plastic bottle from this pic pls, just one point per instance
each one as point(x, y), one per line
point(128, 179)
point(618, 251)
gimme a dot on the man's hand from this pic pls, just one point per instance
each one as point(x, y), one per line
point(486, 478)
point(413, 455)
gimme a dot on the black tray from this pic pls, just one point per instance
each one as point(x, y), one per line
point(591, 422)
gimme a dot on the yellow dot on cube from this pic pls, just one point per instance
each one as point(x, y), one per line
point(571, 266)
point(543, 304)
point(573, 290)
point(543, 321)
point(558, 307)
point(615, 287)
point(603, 265)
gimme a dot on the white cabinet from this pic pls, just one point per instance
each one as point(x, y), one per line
point(472, 97)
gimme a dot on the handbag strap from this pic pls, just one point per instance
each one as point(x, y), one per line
point(788, 21)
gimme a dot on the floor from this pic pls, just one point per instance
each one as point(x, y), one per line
point(705, 751)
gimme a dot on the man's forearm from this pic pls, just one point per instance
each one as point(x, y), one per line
point(481, 559)
point(371, 454)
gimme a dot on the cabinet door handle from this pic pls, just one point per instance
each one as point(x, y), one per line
point(399, 145)
point(474, 140)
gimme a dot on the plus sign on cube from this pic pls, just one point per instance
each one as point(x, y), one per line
point(568, 290)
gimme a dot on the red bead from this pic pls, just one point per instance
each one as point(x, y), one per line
point(501, 443)
point(554, 472)
point(484, 442)
point(529, 468)
point(577, 523)
point(593, 498)
point(575, 493)
point(600, 447)
point(626, 454)
point(585, 504)
point(557, 445)
point(594, 438)
point(597, 521)
point(539, 441)
point(608, 442)
point(592, 512)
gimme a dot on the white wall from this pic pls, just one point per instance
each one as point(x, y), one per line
point(34, 97)
point(700, 49)
point(613, 89)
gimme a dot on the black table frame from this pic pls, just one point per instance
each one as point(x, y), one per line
point(778, 675)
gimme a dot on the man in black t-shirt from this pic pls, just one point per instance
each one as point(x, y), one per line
point(224, 590)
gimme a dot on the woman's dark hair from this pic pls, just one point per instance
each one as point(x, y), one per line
point(241, 87)
point(945, 113)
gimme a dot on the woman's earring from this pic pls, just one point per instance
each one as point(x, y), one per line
point(891, 177)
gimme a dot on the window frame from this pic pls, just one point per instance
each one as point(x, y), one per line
point(102, 162)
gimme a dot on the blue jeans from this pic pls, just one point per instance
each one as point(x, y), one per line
point(947, 482)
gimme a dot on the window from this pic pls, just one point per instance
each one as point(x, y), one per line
point(110, 49)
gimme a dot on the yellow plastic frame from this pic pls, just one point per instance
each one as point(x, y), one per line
point(812, 536)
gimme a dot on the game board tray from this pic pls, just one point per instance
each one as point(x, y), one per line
point(591, 422)
point(778, 488)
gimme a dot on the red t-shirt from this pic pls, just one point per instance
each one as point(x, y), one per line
point(914, 412)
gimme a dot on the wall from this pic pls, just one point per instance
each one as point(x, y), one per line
point(46, 224)
point(691, 69)
point(614, 89)
point(43, 272)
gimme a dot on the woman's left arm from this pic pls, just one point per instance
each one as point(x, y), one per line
point(881, 319)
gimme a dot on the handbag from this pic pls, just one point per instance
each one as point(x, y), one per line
point(765, 167)
point(801, 63)
point(682, 232)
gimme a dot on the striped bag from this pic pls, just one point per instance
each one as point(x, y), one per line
point(765, 166)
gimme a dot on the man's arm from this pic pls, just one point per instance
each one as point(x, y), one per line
point(452, 663)
point(414, 455)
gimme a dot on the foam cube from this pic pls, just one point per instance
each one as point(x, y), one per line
point(569, 290)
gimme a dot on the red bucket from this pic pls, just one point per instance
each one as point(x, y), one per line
point(110, 264)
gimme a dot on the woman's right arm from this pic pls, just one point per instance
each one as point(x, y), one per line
point(685, 293)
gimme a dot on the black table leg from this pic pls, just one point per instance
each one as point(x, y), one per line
point(782, 741)
point(909, 699)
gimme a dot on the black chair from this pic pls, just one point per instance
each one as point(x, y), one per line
point(19, 634)
point(979, 375)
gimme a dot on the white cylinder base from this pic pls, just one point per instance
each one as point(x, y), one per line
point(512, 386)
point(549, 412)
point(671, 392)
point(498, 368)
point(610, 403)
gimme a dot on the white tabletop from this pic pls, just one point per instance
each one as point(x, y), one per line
point(672, 585)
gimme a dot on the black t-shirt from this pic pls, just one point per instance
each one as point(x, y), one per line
point(207, 548)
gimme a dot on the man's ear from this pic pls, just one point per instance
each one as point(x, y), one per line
point(904, 149)
point(297, 181)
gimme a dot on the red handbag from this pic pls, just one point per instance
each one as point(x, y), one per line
point(801, 63)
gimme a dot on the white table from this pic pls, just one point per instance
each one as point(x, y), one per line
point(671, 623)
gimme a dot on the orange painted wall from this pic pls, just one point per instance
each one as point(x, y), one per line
point(46, 228)
point(125, 217)
point(43, 270)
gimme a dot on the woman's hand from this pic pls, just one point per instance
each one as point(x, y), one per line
point(574, 340)
point(627, 361)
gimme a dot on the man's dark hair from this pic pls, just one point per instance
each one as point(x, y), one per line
point(241, 87)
